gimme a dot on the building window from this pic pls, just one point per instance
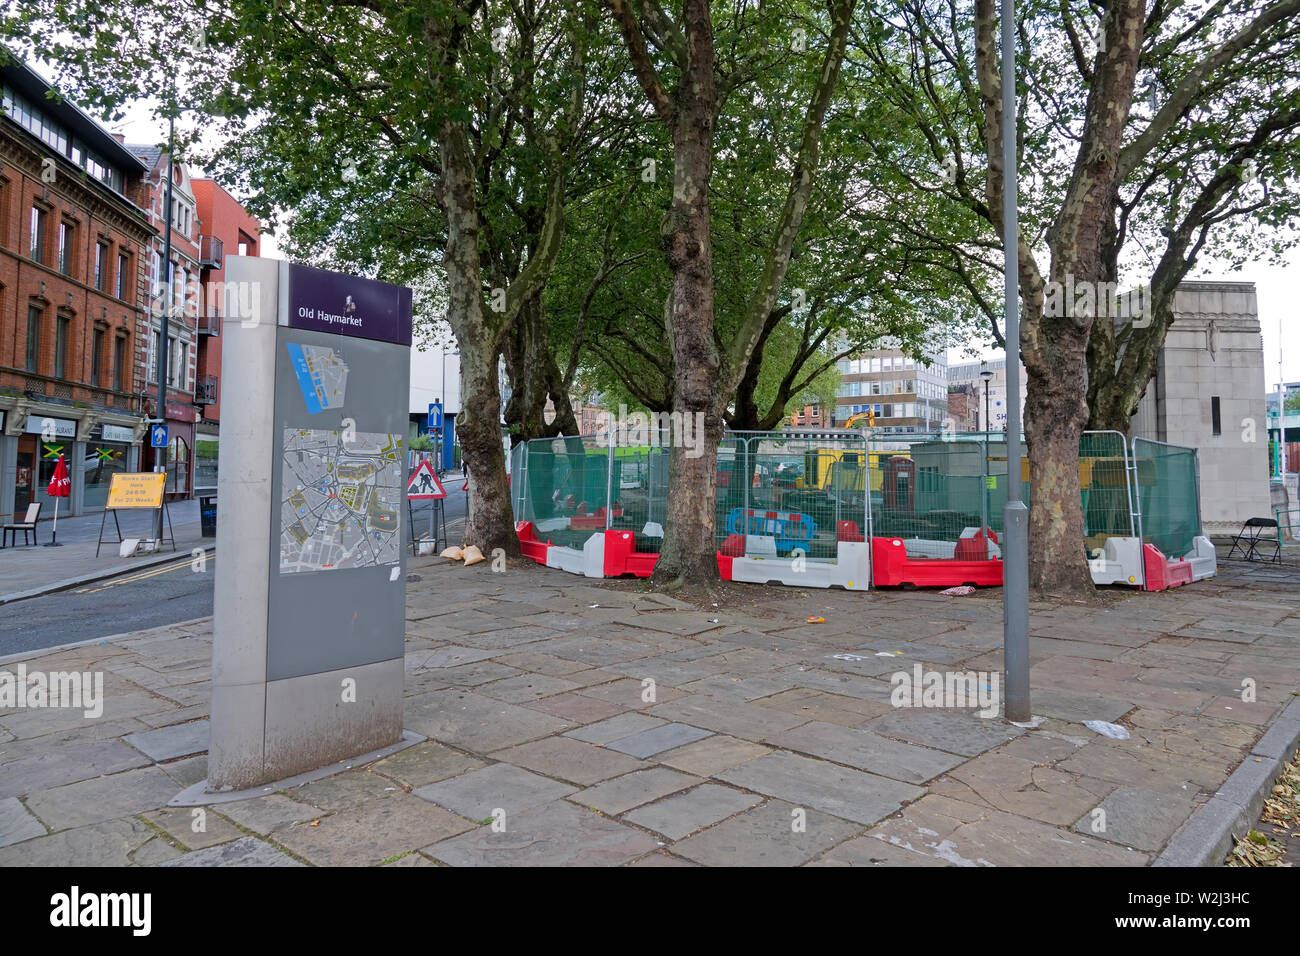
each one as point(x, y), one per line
point(61, 326)
point(33, 338)
point(38, 234)
point(1215, 419)
point(101, 266)
point(119, 362)
point(123, 268)
point(96, 358)
point(65, 247)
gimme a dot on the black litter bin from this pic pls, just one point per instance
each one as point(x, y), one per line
point(208, 515)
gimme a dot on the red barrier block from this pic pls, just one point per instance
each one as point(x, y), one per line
point(622, 558)
point(891, 567)
point(848, 531)
point(528, 543)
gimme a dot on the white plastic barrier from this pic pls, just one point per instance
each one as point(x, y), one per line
point(1204, 561)
point(1120, 562)
point(851, 568)
point(590, 561)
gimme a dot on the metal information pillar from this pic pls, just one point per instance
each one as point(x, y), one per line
point(309, 617)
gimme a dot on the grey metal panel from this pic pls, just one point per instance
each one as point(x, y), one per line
point(341, 617)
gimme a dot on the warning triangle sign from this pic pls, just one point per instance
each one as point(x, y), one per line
point(423, 483)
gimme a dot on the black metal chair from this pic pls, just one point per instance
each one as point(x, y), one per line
point(27, 526)
point(1255, 534)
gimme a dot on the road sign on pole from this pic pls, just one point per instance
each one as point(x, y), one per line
point(435, 415)
point(158, 436)
point(423, 484)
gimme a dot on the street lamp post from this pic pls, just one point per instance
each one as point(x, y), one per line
point(160, 454)
point(1015, 516)
point(988, 422)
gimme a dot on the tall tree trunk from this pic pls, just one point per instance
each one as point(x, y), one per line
point(490, 523)
point(689, 550)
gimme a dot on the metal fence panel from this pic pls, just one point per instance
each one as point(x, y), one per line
point(1168, 495)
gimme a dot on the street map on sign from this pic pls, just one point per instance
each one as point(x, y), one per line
point(322, 375)
point(342, 500)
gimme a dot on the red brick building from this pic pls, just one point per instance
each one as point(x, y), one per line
point(227, 229)
point(182, 311)
point(73, 268)
point(809, 416)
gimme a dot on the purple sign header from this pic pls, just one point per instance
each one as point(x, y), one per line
point(348, 305)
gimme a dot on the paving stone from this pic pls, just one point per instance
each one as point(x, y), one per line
point(1018, 786)
point(268, 814)
point(957, 732)
point(1138, 818)
point(412, 859)
point(749, 687)
point(528, 687)
point(576, 708)
point(615, 728)
point(373, 832)
point(851, 794)
point(558, 834)
point(749, 721)
point(104, 798)
point(629, 694)
point(474, 674)
point(179, 824)
point(568, 759)
point(658, 739)
point(825, 706)
point(706, 757)
point(477, 723)
point(453, 655)
point(54, 765)
point(766, 836)
point(343, 791)
point(965, 835)
point(168, 743)
point(680, 816)
point(660, 858)
point(631, 790)
point(110, 843)
point(247, 851)
point(478, 793)
point(598, 651)
point(16, 823)
point(866, 751)
point(1127, 762)
point(866, 851)
point(426, 763)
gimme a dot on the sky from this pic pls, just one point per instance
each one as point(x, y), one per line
point(1277, 290)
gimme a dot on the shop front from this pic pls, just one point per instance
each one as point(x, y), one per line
point(110, 450)
point(43, 439)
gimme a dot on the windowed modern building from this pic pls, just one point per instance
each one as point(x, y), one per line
point(73, 269)
point(907, 397)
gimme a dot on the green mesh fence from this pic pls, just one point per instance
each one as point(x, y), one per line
point(934, 491)
point(571, 487)
point(1168, 495)
point(791, 491)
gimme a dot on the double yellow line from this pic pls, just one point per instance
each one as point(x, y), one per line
point(152, 572)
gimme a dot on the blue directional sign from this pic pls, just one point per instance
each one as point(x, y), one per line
point(158, 436)
point(435, 415)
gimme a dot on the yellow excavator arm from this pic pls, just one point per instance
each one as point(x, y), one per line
point(869, 416)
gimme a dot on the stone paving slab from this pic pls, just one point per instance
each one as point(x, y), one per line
point(680, 816)
point(168, 743)
point(841, 791)
point(246, 851)
point(775, 834)
point(650, 742)
point(558, 834)
point(477, 794)
point(530, 698)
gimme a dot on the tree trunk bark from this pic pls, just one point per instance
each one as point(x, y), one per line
point(1056, 411)
point(534, 375)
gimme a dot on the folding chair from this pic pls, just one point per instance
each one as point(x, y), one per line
point(1252, 538)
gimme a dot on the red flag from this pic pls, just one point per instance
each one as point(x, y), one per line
point(60, 484)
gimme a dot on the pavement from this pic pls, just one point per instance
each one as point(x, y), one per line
point(30, 571)
point(578, 722)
